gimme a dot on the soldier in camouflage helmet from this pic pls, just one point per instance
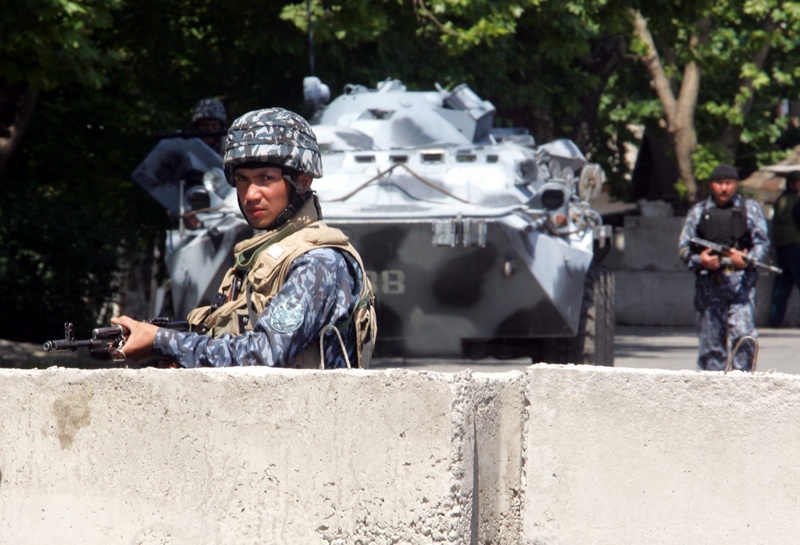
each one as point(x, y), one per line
point(298, 294)
point(209, 119)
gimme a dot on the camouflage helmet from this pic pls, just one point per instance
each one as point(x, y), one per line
point(209, 108)
point(275, 136)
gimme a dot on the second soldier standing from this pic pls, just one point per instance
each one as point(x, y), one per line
point(725, 286)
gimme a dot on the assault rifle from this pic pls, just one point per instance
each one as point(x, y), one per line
point(106, 342)
point(722, 250)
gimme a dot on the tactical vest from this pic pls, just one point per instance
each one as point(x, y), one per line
point(262, 265)
point(727, 226)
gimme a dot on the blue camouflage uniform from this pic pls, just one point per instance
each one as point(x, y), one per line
point(320, 289)
point(725, 300)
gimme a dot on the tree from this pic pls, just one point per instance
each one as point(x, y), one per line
point(70, 216)
point(543, 64)
point(727, 45)
point(47, 44)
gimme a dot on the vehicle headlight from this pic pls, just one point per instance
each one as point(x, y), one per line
point(553, 199)
point(591, 181)
point(197, 198)
point(214, 180)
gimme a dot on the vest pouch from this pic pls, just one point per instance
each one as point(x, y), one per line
point(366, 332)
point(226, 319)
point(366, 326)
point(196, 318)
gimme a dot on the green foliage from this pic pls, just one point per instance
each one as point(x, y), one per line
point(68, 211)
point(48, 42)
point(706, 158)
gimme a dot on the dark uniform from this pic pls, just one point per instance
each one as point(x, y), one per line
point(725, 299)
point(786, 239)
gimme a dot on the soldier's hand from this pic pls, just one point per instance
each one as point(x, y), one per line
point(709, 260)
point(737, 258)
point(139, 343)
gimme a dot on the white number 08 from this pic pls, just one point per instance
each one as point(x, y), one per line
point(388, 282)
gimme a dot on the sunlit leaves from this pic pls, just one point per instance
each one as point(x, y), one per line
point(49, 41)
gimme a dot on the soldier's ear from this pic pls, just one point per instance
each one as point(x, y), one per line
point(303, 183)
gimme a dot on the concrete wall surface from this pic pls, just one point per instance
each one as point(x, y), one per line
point(257, 456)
point(552, 455)
point(632, 457)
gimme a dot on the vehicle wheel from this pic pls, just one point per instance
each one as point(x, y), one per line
point(594, 343)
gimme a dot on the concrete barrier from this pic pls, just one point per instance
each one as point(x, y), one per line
point(631, 457)
point(257, 455)
point(554, 455)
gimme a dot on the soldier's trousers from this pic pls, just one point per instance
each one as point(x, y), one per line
point(725, 309)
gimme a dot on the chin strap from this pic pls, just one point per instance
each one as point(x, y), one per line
point(296, 204)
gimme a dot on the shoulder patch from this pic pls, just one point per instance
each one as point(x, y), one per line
point(287, 316)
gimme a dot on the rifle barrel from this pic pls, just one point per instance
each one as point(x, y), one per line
point(65, 344)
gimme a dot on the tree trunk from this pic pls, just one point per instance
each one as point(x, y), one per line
point(16, 106)
point(678, 112)
point(683, 131)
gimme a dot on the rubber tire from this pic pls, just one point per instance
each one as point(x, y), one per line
point(594, 343)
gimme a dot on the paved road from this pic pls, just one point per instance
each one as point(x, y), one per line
point(645, 348)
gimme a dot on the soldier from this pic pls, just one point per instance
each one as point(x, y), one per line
point(725, 286)
point(209, 119)
point(297, 290)
point(786, 239)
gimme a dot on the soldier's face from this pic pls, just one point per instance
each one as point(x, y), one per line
point(209, 126)
point(263, 194)
point(723, 191)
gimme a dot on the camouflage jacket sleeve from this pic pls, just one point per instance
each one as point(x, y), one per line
point(319, 290)
point(689, 230)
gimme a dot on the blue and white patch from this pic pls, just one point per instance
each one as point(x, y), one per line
point(288, 315)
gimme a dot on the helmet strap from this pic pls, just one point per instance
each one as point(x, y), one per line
point(296, 203)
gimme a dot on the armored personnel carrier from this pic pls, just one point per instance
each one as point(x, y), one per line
point(478, 241)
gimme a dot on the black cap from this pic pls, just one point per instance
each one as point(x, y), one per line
point(723, 172)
